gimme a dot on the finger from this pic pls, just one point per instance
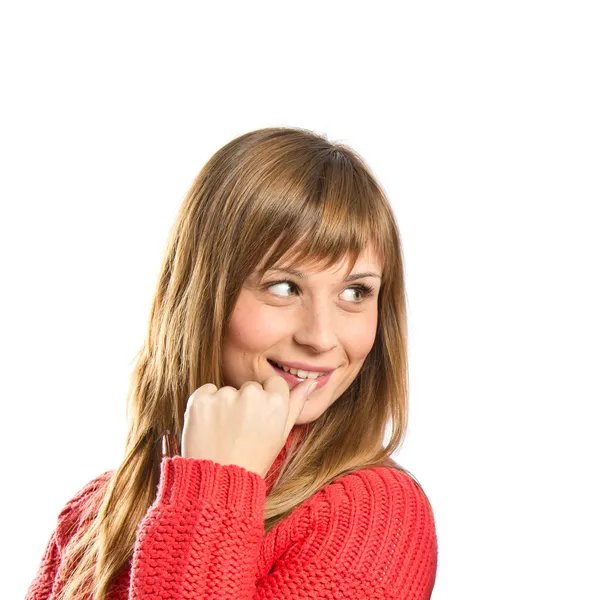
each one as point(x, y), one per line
point(276, 384)
point(207, 388)
point(298, 397)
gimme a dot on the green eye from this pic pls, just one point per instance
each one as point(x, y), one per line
point(362, 290)
point(365, 290)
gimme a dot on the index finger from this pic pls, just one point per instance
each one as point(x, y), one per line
point(277, 384)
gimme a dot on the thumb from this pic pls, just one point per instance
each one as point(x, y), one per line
point(298, 396)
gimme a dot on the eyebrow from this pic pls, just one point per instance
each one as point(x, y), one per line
point(351, 277)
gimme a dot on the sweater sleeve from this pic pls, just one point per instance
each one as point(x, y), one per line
point(201, 537)
point(371, 536)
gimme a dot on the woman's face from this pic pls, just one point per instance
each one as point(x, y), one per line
point(318, 320)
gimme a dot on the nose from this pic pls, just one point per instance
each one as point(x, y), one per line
point(316, 328)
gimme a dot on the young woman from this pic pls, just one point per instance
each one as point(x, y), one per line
point(239, 481)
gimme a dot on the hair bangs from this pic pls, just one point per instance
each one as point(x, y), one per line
point(333, 222)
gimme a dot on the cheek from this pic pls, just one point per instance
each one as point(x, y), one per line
point(252, 327)
point(359, 336)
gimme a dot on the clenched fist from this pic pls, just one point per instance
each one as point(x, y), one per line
point(246, 427)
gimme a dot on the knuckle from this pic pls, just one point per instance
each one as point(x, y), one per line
point(251, 385)
point(227, 390)
point(203, 392)
point(207, 388)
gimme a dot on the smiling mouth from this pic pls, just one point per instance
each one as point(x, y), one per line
point(279, 368)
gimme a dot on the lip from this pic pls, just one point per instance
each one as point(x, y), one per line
point(305, 367)
point(293, 381)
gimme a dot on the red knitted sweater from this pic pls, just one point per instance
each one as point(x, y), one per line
point(369, 534)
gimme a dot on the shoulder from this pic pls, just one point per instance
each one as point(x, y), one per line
point(380, 520)
point(383, 497)
point(380, 487)
point(389, 502)
point(81, 508)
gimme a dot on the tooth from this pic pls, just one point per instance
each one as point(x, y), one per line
point(299, 372)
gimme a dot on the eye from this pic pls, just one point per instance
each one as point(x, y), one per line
point(280, 283)
point(364, 290)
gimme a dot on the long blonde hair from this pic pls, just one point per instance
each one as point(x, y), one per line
point(330, 206)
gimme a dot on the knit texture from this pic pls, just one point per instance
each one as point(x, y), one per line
point(369, 534)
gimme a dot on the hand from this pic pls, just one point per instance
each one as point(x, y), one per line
point(246, 427)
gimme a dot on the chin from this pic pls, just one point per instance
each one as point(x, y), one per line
point(310, 412)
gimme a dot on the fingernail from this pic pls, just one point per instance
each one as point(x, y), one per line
point(312, 387)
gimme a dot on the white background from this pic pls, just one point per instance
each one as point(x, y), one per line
point(480, 119)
